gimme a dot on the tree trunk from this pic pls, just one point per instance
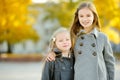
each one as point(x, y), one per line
point(9, 49)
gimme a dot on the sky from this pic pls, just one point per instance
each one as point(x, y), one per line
point(39, 1)
point(43, 1)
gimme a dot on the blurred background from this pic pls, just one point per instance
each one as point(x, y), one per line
point(27, 25)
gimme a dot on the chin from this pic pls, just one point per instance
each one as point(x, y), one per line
point(66, 49)
point(86, 26)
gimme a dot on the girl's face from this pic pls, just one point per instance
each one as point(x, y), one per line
point(85, 17)
point(63, 41)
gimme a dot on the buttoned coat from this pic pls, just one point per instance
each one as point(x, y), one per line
point(93, 57)
point(60, 69)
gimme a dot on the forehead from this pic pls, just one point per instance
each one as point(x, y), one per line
point(85, 11)
point(63, 35)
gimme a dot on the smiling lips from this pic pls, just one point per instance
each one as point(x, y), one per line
point(65, 46)
point(85, 23)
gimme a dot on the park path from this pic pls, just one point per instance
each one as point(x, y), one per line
point(29, 70)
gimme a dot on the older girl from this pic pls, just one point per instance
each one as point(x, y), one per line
point(93, 54)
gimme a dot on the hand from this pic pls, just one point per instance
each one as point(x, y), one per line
point(50, 56)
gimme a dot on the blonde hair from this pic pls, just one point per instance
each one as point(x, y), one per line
point(52, 44)
point(76, 26)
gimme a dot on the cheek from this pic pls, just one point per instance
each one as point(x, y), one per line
point(92, 18)
point(58, 45)
point(70, 44)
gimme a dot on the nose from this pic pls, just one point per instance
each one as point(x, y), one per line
point(65, 42)
point(85, 19)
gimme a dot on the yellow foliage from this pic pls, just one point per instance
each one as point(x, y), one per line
point(16, 23)
point(115, 22)
point(112, 34)
point(11, 17)
point(109, 13)
point(3, 22)
point(14, 18)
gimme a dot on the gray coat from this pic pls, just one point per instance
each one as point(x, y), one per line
point(60, 69)
point(93, 57)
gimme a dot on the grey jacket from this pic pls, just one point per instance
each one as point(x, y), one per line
point(93, 57)
point(60, 69)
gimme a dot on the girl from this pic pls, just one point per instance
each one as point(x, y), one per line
point(92, 50)
point(62, 67)
point(93, 54)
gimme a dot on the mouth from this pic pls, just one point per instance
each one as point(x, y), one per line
point(85, 23)
point(65, 46)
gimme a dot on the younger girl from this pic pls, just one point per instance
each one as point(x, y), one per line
point(62, 67)
point(94, 58)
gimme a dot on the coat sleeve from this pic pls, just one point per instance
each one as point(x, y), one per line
point(109, 60)
point(47, 73)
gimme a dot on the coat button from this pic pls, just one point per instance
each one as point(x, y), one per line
point(79, 52)
point(94, 54)
point(93, 45)
point(81, 44)
point(82, 37)
point(63, 67)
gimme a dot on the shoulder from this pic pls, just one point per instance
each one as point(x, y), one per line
point(49, 63)
point(103, 35)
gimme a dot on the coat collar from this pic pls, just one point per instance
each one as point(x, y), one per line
point(94, 32)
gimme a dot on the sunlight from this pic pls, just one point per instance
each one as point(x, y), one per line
point(39, 1)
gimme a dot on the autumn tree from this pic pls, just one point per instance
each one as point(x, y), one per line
point(15, 23)
point(62, 11)
point(110, 18)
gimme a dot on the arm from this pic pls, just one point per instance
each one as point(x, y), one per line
point(50, 57)
point(109, 60)
point(56, 53)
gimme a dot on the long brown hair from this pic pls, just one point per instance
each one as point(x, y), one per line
point(76, 26)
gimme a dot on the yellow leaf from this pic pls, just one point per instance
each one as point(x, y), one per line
point(114, 21)
point(16, 23)
point(3, 22)
point(11, 17)
point(112, 34)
